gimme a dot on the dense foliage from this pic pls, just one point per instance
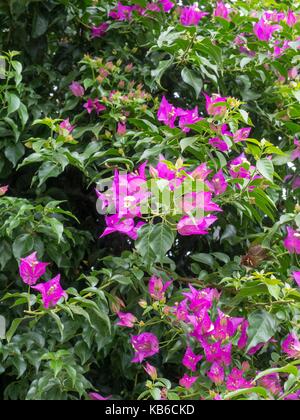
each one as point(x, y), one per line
point(149, 200)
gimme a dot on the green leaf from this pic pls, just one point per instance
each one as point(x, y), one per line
point(161, 240)
point(262, 328)
point(48, 170)
point(39, 25)
point(286, 369)
point(57, 227)
point(13, 102)
point(13, 328)
point(257, 390)
point(156, 394)
point(204, 259)
point(190, 78)
point(266, 168)
point(23, 245)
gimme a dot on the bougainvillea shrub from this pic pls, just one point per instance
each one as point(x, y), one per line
point(150, 200)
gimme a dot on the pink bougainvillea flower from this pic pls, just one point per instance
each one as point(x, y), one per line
point(201, 172)
point(94, 396)
point(126, 320)
point(213, 351)
point(291, 18)
point(219, 144)
point(187, 117)
point(296, 183)
point(256, 349)
point(125, 226)
point(201, 299)
point(167, 5)
point(31, 269)
point(236, 381)
point(274, 16)
point(99, 31)
point(218, 183)
point(216, 105)
point(292, 241)
point(145, 345)
point(77, 89)
point(190, 226)
point(240, 167)
point(122, 129)
point(202, 324)
point(296, 152)
point(121, 12)
point(188, 381)
point(162, 170)
point(67, 126)
point(3, 190)
point(200, 201)
point(279, 49)
point(94, 105)
point(272, 383)
point(225, 326)
point(191, 15)
point(51, 292)
point(190, 359)
point(157, 288)
point(222, 11)
point(242, 134)
point(181, 311)
point(293, 397)
point(264, 31)
point(244, 336)
point(293, 73)
point(216, 374)
point(167, 113)
point(291, 346)
point(151, 371)
point(296, 275)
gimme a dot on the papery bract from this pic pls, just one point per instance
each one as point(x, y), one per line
point(216, 374)
point(236, 381)
point(189, 226)
point(145, 345)
point(188, 381)
point(157, 288)
point(264, 31)
point(272, 383)
point(190, 359)
point(31, 270)
point(191, 15)
point(151, 371)
point(94, 396)
point(51, 292)
point(99, 31)
point(218, 183)
point(126, 320)
point(291, 346)
point(216, 105)
point(241, 135)
point(292, 241)
point(122, 225)
point(222, 11)
point(67, 126)
point(219, 144)
point(3, 190)
point(296, 275)
point(167, 113)
point(77, 89)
